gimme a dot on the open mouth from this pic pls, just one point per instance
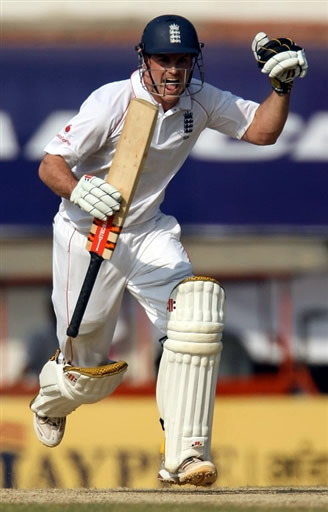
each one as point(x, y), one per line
point(172, 85)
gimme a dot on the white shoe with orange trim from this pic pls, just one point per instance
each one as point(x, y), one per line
point(193, 471)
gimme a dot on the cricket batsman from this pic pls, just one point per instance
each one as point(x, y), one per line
point(149, 260)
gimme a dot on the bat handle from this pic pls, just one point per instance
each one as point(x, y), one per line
point(82, 301)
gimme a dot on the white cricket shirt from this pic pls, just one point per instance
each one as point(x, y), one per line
point(88, 141)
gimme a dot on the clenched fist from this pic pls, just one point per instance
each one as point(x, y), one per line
point(281, 59)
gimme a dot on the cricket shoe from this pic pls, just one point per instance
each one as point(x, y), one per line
point(192, 471)
point(49, 431)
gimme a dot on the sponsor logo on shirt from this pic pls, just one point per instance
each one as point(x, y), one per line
point(63, 139)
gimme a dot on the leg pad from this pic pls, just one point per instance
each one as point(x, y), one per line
point(64, 387)
point(188, 372)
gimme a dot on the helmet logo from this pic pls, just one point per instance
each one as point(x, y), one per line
point(175, 36)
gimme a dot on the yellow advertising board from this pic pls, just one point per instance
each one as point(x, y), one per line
point(115, 443)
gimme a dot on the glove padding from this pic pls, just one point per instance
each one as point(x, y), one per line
point(281, 59)
point(96, 196)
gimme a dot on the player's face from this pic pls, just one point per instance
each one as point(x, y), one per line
point(166, 76)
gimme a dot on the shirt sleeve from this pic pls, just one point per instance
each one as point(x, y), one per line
point(85, 133)
point(228, 113)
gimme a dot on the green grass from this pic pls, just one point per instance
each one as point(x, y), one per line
point(118, 507)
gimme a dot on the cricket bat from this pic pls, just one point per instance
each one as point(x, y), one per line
point(124, 173)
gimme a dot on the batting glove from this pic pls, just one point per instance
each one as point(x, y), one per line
point(281, 59)
point(96, 196)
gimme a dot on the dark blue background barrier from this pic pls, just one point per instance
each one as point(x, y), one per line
point(284, 192)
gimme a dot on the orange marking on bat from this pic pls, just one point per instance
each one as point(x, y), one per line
point(101, 235)
point(116, 229)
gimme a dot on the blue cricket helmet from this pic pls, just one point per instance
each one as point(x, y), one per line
point(169, 34)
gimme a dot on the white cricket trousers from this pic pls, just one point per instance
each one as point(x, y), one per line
point(149, 260)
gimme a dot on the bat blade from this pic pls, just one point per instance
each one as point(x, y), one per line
point(124, 174)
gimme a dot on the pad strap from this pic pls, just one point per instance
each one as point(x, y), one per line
point(64, 387)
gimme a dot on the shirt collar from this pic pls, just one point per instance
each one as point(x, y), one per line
point(184, 102)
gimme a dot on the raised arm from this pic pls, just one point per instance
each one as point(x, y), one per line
point(269, 120)
point(282, 60)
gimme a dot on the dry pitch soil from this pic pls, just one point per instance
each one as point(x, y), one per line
point(283, 497)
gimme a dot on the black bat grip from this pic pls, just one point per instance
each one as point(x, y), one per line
point(82, 301)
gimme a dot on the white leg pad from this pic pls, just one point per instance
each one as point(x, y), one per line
point(64, 387)
point(188, 372)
